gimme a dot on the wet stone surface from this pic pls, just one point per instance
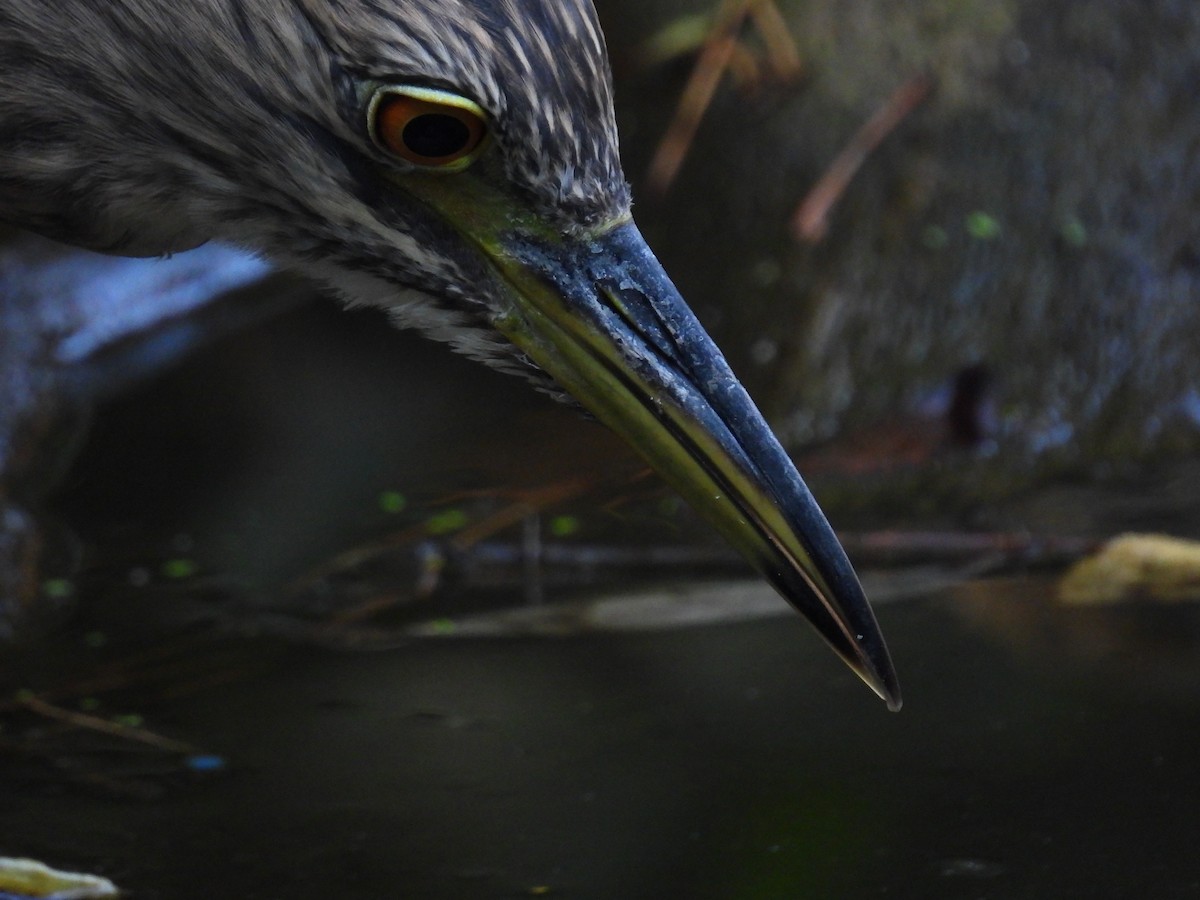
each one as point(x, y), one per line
point(1032, 217)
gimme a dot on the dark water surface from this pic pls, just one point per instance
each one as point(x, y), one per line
point(1039, 754)
point(1043, 752)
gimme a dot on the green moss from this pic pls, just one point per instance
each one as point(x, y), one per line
point(58, 588)
point(934, 237)
point(179, 568)
point(564, 526)
point(446, 522)
point(392, 502)
point(983, 226)
point(1073, 232)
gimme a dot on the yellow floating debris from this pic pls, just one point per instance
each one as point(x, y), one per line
point(30, 878)
point(1135, 567)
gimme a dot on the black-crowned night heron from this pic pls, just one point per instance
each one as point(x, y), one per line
point(453, 161)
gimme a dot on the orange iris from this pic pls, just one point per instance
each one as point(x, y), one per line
point(421, 128)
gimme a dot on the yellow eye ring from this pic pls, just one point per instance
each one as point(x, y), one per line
point(427, 127)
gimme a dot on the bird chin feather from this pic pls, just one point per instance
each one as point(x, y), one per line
point(467, 332)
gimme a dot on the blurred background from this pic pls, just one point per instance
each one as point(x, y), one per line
point(362, 617)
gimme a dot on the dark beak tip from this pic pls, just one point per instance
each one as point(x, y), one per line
point(891, 696)
point(604, 316)
point(874, 667)
point(844, 618)
point(880, 674)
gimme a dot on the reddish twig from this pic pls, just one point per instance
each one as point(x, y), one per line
point(782, 55)
point(810, 222)
point(722, 53)
point(714, 59)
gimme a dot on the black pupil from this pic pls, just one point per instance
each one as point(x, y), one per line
point(435, 135)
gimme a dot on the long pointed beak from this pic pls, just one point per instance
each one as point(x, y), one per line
point(602, 317)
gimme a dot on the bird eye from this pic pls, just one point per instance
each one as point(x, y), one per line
point(427, 127)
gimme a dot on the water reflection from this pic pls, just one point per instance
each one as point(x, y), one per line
point(723, 761)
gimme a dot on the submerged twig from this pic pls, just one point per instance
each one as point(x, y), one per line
point(879, 549)
point(528, 503)
point(116, 729)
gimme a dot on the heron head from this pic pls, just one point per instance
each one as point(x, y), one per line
point(453, 161)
